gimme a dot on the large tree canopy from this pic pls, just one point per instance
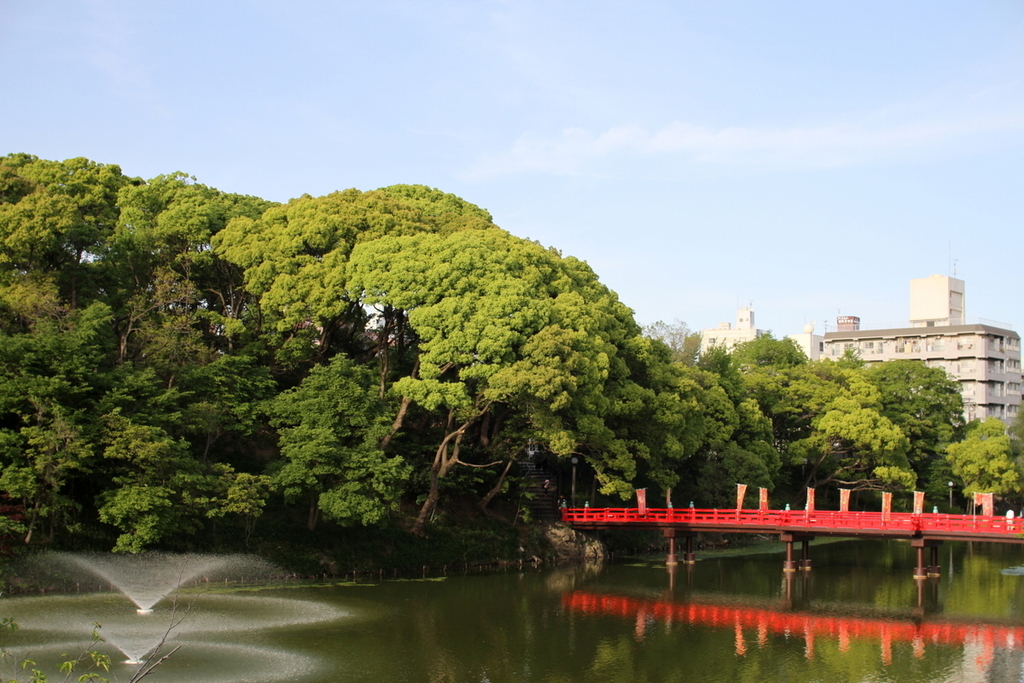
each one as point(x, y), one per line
point(175, 358)
point(506, 325)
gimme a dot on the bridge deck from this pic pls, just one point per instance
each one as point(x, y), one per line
point(816, 522)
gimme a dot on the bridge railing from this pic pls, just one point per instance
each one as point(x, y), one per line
point(800, 519)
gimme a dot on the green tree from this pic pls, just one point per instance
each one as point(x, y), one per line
point(855, 446)
point(329, 428)
point(684, 344)
point(766, 351)
point(173, 296)
point(827, 419)
point(926, 405)
point(222, 400)
point(736, 446)
point(1016, 434)
point(49, 384)
point(983, 462)
point(503, 326)
point(55, 218)
point(161, 491)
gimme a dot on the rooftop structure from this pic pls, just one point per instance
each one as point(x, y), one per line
point(810, 343)
point(727, 336)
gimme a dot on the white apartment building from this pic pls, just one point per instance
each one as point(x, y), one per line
point(984, 357)
point(727, 336)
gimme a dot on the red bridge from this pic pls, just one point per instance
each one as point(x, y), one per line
point(924, 530)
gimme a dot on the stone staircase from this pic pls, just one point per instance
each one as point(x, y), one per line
point(541, 499)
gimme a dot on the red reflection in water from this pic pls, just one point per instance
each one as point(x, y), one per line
point(807, 626)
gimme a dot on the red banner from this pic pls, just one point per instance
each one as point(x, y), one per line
point(986, 501)
point(886, 505)
point(918, 502)
point(844, 500)
point(810, 500)
point(763, 500)
point(741, 493)
point(641, 501)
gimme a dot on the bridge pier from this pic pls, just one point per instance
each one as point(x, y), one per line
point(673, 549)
point(791, 565)
point(922, 571)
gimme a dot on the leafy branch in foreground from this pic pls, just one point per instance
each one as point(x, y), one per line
point(93, 660)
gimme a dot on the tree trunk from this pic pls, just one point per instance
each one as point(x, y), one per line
point(32, 521)
point(444, 460)
point(403, 410)
point(429, 505)
point(485, 501)
point(314, 513)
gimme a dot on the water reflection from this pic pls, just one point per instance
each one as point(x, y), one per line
point(760, 622)
point(854, 619)
point(858, 617)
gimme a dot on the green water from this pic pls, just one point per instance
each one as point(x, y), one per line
point(857, 616)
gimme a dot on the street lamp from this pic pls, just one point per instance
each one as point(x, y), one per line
point(573, 495)
point(950, 495)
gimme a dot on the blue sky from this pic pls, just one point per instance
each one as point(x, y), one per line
point(809, 158)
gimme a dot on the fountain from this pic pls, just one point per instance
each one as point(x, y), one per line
point(212, 632)
point(148, 578)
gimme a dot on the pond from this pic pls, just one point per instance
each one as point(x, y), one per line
point(857, 616)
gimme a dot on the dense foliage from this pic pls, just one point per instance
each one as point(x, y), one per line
point(176, 358)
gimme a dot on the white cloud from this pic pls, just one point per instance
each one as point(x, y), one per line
point(576, 150)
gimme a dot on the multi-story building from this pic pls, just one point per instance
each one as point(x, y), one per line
point(727, 336)
point(983, 356)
